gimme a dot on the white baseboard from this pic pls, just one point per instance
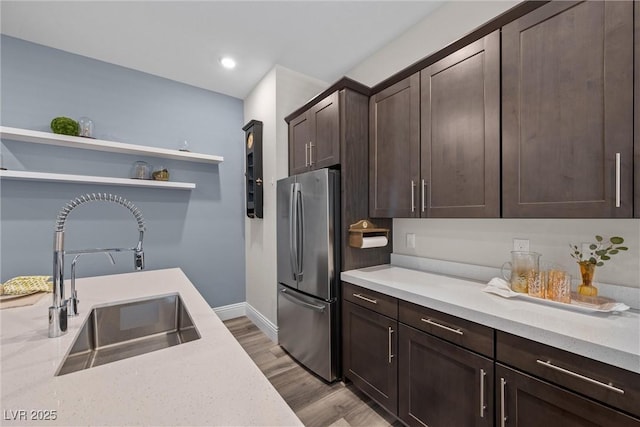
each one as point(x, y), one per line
point(231, 311)
point(264, 324)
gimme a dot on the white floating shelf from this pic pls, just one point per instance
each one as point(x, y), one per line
point(37, 137)
point(88, 179)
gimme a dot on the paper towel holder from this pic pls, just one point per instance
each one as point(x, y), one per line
point(365, 228)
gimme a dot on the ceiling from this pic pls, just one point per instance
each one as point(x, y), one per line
point(184, 40)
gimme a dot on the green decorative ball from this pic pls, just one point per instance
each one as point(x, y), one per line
point(65, 126)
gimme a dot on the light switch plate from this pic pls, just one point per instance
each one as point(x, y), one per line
point(411, 240)
point(521, 245)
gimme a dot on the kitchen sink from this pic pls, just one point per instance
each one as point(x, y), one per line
point(118, 331)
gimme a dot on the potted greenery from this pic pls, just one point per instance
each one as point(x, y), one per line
point(598, 253)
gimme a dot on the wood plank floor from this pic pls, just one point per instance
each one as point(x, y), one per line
point(315, 402)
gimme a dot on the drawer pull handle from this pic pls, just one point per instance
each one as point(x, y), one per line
point(548, 364)
point(482, 405)
point(617, 180)
point(362, 297)
point(503, 411)
point(390, 347)
point(431, 322)
point(413, 196)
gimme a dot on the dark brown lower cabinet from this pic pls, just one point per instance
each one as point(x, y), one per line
point(370, 362)
point(442, 384)
point(525, 401)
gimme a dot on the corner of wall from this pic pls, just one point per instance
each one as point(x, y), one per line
point(279, 92)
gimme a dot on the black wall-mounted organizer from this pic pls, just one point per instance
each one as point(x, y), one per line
point(253, 167)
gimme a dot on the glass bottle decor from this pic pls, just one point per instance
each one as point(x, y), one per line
point(587, 270)
point(85, 125)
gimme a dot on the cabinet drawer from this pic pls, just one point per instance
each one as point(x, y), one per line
point(459, 331)
point(609, 384)
point(380, 303)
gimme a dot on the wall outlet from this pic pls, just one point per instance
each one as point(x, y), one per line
point(411, 240)
point(521, 245)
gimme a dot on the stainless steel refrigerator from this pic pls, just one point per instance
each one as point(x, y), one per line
point(308, 233)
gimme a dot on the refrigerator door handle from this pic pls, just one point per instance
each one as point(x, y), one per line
point(299, 232)
point(293, 250)
point(293, 299)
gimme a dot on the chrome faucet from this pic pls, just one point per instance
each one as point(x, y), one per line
point(72, 302)
point(58, 312)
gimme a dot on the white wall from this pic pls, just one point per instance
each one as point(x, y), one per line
point(445, 25)
point(279, 93)
point(489, 241)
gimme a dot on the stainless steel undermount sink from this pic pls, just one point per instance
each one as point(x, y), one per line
point(118, 331)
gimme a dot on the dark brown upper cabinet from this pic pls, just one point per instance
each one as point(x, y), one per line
point(636, 109)
point(299, 137)
point(314, 138)
point(331, 130)
point(394, 150)
point(460, 133)
point(567, 111)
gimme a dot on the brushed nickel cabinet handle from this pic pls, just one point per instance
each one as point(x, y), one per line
point(482, 405)
point(431, 322)
point(372, 301)
point(617, 180)
point(310, 153)
point(424, 192)
point(548, 364)
point(306, 155)
point(413, 196)
point(503, 416)
point(390, 347)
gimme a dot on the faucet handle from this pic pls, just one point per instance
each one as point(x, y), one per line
point(72, 305)
point(58, 320)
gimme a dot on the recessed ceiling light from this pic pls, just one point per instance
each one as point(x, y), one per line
point(227, 62)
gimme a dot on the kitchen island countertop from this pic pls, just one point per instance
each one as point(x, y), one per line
point(209, 381)
point(612, 338)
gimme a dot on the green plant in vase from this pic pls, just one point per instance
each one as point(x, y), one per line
point(598, 253)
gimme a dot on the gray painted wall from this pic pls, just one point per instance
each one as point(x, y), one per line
point(201, 231)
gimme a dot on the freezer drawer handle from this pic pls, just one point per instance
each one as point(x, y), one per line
point(609, 386)
point(362, 297)
point(431, 322)
point(319, 308)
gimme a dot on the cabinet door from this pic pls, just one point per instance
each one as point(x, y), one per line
point(299, 138)
point(394, 150)
point(460, 133)
point(442, 384)
point(636, 109)
point(567, 94)
point(525, 401)
point(369, 349)
point(324, 150)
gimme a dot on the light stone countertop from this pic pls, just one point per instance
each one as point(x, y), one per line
point(613, 338)
point(210, 381)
